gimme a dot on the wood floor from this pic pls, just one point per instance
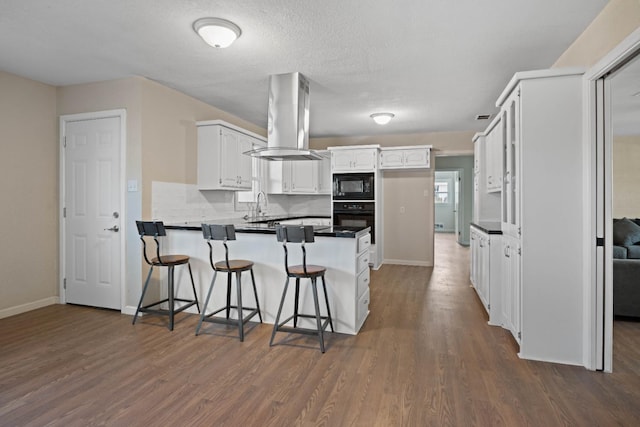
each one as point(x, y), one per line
point(425, 357)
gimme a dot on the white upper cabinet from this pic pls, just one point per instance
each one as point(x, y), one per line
point(299, 176)
point(345, 159)
point(221, 162)
point(413, 157)
point(324, 174)
point(495, 145)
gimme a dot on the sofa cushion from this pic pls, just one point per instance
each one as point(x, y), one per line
point(619, 252)
point(625, 232)
point(633, 252)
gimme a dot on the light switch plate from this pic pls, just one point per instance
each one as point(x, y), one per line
point(132, 185)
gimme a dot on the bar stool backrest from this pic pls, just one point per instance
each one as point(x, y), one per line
point(153, 229)
point(222, 233)
point(295, 234)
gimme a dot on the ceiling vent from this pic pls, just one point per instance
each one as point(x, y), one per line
point(483, 116)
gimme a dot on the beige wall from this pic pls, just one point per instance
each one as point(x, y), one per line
point(617, 20)
point(626, 176)
point(408, 236)
point(161, 145)
point(29, 190)
point(169, 138)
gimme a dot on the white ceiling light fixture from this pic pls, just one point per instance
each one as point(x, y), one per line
point(217, 32)
point(382, 118)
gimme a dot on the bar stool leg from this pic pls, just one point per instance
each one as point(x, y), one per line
point(295, 303)
point(206, 302)
point(314, 289)
point(255, 293)
point(228, 293)
point(239, 305)
point(193, 286)
point(275, 325)
point(326, 300)
point(144, 291)
point(171, 296)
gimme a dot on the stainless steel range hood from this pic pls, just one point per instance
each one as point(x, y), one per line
point(288, 120)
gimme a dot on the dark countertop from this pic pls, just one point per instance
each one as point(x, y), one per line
point(267, 226)
point(489, 227)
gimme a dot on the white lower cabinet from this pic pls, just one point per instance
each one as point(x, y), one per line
point(486, 277)
point(511, 285)
point(362, 286)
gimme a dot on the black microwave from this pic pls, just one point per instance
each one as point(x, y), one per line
point(353, 186)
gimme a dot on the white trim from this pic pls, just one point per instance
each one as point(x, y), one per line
point(23, 308)
point(408, 262)
point(122, 115)
point(593, 136)
point(231, 126)
point(448, 153)
point(536, 74)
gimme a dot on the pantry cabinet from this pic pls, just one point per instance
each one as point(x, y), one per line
point(221, 162)
point(542, 207)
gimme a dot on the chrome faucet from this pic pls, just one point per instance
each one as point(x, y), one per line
point(259, 210)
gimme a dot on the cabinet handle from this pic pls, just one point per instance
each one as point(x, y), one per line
point(365, 280)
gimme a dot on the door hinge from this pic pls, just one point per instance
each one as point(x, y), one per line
point(599, 241)
point(519, 251)
point(64, 283)
point(489, 306)
point(64, 212)
point(519, 335)
point(64, 142)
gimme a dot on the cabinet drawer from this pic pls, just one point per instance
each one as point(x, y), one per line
point(362, 309)
point(364, 242)
point(363, 262)
point(363, 282)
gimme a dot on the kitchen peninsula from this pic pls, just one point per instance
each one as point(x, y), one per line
point(344, 251)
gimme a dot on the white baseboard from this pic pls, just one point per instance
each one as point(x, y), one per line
point(129, 309)
point(23, 308)
point(408, 262)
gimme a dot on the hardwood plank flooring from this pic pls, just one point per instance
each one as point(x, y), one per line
point(425, 356)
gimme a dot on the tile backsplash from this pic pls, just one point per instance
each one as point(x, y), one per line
point(175, 202)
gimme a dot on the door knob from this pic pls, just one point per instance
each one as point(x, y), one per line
point(115, 229)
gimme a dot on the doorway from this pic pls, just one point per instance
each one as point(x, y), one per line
point(92, 208)
point(613, 98)
point(462, 190)
point(447, 200)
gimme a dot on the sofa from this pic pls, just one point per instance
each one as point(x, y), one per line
point(626, 267)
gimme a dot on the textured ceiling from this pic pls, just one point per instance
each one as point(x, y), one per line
point(434, 63)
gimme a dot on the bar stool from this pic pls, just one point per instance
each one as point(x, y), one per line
point(225, 233)
point(156, 229)
point(301, 234)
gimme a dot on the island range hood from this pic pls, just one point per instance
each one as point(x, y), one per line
point(288, 120)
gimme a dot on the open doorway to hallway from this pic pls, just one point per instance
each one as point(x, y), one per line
point(453, 196)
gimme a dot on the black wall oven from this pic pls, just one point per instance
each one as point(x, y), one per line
point(353, 186)
point(355, 214)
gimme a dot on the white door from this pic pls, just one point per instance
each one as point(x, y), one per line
point(456, 205)
point(92, 212)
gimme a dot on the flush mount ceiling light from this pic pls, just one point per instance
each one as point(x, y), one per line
point(217, 32)
point(382, 118)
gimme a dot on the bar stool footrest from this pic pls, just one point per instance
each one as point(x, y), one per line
point(147, 308)
point(298, 330)
point(224, 321)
